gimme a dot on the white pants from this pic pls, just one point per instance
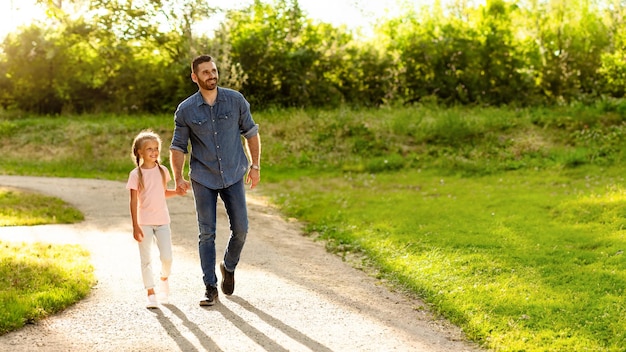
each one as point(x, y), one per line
point(162, 236)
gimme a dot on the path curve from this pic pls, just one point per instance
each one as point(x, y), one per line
point(291, 294)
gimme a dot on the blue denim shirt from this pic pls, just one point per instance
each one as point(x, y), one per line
point(218, 159)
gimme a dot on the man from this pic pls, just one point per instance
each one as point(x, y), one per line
point(214, 119)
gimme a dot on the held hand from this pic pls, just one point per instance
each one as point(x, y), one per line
point(254, 177)
point(182, 186)
point(180, 191)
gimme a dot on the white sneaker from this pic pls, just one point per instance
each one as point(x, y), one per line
point(164, 290)
point(152, 302)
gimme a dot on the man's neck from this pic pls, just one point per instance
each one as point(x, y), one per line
point(209, 96)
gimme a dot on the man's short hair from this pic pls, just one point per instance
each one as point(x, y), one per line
point(200, 60)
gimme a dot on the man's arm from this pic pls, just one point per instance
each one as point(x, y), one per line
point(177, 162)
point(254, 146)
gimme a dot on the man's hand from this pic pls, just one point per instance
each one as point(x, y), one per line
point(182, 186)
point(254, 176)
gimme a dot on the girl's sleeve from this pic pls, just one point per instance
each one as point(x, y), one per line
point(168, 177)
point(133, 180)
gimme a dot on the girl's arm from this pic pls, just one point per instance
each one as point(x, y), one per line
point(137, 232)
point(172, 192)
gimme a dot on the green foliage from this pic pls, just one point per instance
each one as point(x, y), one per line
point(287, 59)
point(37, 280)
point(567, 59)
point(613, 69)
point(113, 58)
point(133, 57)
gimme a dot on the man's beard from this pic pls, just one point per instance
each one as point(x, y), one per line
point(209, 84)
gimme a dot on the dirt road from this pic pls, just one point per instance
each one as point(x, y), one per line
point(291, 295)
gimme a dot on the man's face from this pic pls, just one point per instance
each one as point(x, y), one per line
point(207, 76)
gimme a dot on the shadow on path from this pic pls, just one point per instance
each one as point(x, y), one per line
point(286, 329)
point(177, 336)
point(253, 333)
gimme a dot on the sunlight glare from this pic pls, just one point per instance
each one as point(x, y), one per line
point(355, 14)
point(16, 13)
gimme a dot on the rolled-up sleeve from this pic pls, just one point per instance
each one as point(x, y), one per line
point(251, 132)
point(248, 127)
point(180, 139)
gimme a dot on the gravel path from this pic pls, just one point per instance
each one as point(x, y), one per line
point(291, 295)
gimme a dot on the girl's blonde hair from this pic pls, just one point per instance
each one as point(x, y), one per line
point(138, 142)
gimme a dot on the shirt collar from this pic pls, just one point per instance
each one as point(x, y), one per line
point(200, 100)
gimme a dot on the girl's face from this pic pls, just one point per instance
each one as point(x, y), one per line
point(149, 152)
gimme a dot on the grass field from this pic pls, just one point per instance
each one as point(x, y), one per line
point(523, 260)
point(19, 207)
point(510, 223)
point(38, 280)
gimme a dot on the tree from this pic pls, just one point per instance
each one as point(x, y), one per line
point(613, 61)
point(569, 41)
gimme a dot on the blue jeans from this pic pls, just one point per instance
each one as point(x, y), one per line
point(234, 198)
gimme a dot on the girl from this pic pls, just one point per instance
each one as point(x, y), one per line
point(149, 213)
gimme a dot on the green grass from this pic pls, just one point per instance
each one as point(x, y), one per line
point(524, 260)
point(22, 208)
point(86, 147)
point(37, 280)
point(508, 222)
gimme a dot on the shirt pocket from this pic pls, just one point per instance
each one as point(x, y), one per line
point(227, 121)
point(200, 125)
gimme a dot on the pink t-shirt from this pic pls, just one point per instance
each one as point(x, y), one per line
point(151, 207)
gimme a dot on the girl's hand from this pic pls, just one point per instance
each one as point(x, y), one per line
point(182, 186)
point(138, 234)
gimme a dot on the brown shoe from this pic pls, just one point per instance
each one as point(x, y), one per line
point(210, 296)
point(228, 280)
